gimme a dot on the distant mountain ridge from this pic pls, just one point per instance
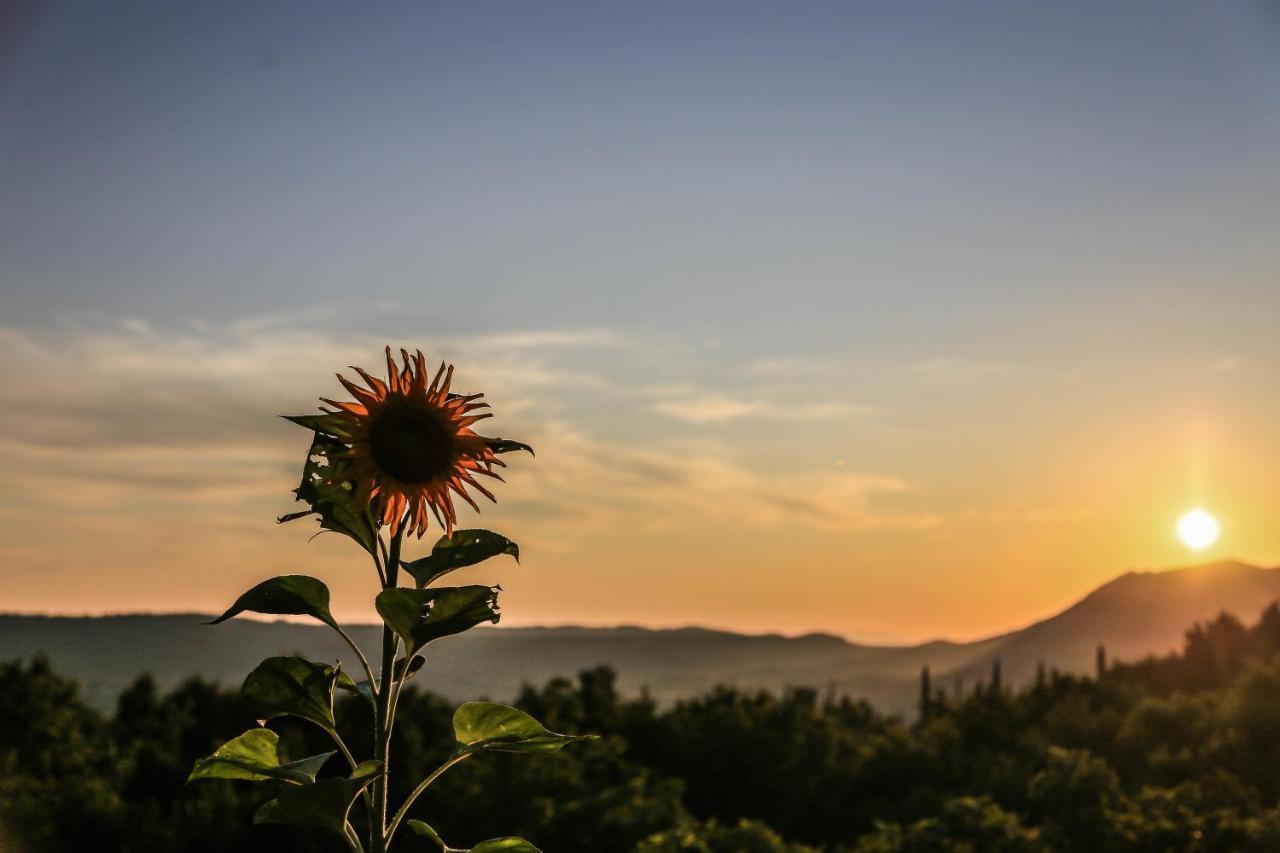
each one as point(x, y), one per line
point(1136, 614)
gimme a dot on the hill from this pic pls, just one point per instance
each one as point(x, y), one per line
point(1136, 614)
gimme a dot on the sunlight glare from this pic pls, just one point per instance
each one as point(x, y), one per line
point(1198, 529)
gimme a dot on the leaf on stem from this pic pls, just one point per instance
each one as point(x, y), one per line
point(253, 756)
point(488, 726)
point(286, 595)
point(330, 495)
point(361, 688)
point(419, 616)
point(406, 669)
point(506, 445)
point(461, 548)
point(333, 426)
point(509, 844)
point(326, 803)
point(424, 829)
point(289, 685)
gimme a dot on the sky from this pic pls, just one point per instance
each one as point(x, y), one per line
point(890, 320)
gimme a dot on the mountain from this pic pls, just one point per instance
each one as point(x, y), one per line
point(1136, 614)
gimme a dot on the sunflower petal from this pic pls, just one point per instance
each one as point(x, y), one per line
point(377, 385)
point(393, 375)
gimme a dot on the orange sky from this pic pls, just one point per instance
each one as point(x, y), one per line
point(150, 468)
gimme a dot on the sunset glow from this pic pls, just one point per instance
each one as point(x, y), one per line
point(828, 317)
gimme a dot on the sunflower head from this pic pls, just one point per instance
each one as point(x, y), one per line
point(409, 444)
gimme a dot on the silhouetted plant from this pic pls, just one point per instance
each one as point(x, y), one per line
point(378, 470)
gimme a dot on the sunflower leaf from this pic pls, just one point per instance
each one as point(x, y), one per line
point(460, 549)
point(424, 829)
point(285, 595)
point(509, 844)
point(330, 495)
point(419, 616)
point(489, 726)
point(252, 756)
point(293, 686)
point(334, 426)
point(406, 669)
point(506, 445)
point(362, 689)
point(326, 803)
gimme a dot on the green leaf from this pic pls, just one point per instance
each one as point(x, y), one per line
point(289, 685)
point(333, 426)
point(326, 803)
point(362, 688)
point(506, 445)
point(406, 669)
point(462, 548)
point(286, 595)
point(253, 756)
point(419, 616)
point(331, 495)
point(509, 844)
point(489, 726)
point(424, 829)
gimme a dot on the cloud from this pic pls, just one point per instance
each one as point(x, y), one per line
point(1226, 364)
point(663, 487)
point(710, 409)
point(957, 372)
point(1029, 515)
point(87, 385)
point(135, 420)
point(787, 367)
point(716, 408)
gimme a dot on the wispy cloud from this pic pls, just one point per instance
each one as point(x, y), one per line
point(664, 486)
point(715, 408)
point(956, 371)
point(1029, 515)
point(119, 415)
point(787, 366)
point(710, 409)
point(1226, 364)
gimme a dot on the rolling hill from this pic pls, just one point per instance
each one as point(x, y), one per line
point(1136, 614)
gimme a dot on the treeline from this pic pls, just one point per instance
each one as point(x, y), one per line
point(1179, 753)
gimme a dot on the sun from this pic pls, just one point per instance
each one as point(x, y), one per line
point(1198, 529)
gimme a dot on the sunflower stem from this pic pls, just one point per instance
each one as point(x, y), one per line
point(382, 716)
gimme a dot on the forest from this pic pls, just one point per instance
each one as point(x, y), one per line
point(1167, 754)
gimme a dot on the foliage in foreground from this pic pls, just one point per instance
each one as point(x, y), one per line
point(376, 472)
point(1173, 754)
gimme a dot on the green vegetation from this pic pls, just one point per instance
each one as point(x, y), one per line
point(1179, 753)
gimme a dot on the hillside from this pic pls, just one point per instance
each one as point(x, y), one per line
point(1134, 615)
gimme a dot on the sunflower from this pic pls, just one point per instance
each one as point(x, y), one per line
point(410, 447)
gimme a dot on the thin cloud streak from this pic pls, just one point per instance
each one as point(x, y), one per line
point(112, 414)
point(716, 408)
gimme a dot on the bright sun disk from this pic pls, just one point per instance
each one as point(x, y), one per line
point(1198, 529)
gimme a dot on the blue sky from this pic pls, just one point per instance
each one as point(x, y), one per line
point(899, 267)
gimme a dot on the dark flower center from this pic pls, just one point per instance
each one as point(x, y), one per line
point(411, 444)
